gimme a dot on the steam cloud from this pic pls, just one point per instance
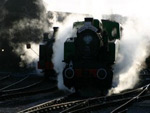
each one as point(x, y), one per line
point(66, 31)
point(135, 37)
point(133, 52)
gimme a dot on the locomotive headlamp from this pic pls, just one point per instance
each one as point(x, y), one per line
point(114, 32)
point(87, 39)
point(101, 73)
point(69, 73)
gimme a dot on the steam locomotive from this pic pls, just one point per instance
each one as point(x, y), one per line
point(45, 54)
point(89, 55)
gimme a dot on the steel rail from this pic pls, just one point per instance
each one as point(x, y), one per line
point(5, 77)
point(107, 104)
point(65, 107)
point(27, 93)
point(14, 83)
point(131, 101)
point(49, 103)
point(21, 88)
point(107, 99)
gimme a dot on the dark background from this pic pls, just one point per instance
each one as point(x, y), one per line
point(22, 22)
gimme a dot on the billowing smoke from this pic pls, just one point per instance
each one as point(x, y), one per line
point(134, 49)
point(65, 31)
point(23, 22)
point(135, 37)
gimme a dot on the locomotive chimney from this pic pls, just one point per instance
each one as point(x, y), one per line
point(55, 32)
point(55, 29)
point(88, 19)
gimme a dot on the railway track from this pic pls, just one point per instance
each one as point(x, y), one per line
point(139, 97)
point(14, 83)
point(21, 88)
point(18, 89)
point(126, 101)
point(4, 77)
point(90, 104)
point(11, 80)
point(26, 93)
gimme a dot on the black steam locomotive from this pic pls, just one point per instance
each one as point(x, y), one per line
point(45, 54)
point(90, 55)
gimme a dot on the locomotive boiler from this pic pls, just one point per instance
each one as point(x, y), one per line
point(89, 55)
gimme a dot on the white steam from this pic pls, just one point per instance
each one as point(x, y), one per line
point(65, 31)
point(133, 52)
point(130, 8)
point(30, 55)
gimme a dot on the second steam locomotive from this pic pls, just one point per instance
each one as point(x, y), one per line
point(90, 55)
point(45, 54)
